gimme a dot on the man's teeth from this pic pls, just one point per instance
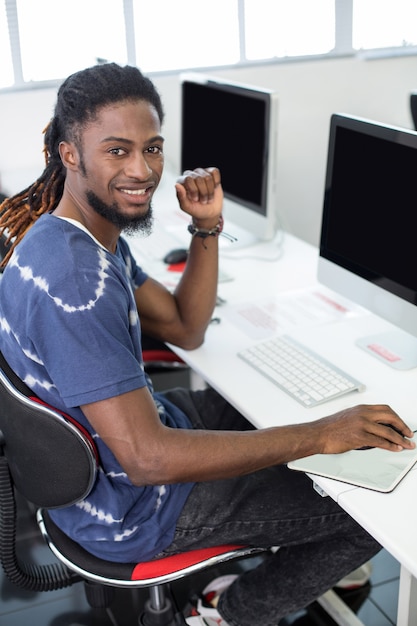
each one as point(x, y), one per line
point(134, 192)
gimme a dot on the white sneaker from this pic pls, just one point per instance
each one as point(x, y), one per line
point(357, 578)
point(206, 613)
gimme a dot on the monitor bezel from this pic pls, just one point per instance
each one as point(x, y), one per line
point(386, 299)
point(248, 221)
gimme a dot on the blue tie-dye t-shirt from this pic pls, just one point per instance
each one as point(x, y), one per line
point(69, 328)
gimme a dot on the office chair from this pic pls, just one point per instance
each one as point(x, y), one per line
point(52, 462)
point(161, 360)
point(165, 368)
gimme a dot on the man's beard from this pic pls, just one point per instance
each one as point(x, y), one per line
point(110, 212)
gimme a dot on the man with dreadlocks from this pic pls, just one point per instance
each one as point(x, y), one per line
point(180, 469)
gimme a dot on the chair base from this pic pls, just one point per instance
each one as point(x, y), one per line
point(160, 611)
point(159, 617)
point(98, 596)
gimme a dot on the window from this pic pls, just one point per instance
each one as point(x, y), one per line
point(384, 23)
point(42, 40)
point(59, 38)
point(173, 34)
point(6, 73)
point(282, 28)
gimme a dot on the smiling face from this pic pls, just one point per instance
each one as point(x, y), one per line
point(119, 164)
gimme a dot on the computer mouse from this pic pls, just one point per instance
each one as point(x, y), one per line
point(178, 255)
point(397, 430)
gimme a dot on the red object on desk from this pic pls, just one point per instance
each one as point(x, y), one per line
point(177, 267)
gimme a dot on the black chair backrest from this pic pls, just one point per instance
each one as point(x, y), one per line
point(52, 462)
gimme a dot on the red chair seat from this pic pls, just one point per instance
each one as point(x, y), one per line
point(178, 562)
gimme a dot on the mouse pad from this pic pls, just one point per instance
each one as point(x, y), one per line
point(377, 469)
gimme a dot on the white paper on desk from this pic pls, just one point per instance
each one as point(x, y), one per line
point(301, 308)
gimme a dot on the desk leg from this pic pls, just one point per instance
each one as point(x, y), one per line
point(407, 599)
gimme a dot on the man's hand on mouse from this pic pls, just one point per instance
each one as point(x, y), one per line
point(200, 194)
point(376, 426)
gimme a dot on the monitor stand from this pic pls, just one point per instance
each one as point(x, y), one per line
point(245, 227)
point(395, 348)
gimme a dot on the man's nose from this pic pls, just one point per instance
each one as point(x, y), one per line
point(138, 166)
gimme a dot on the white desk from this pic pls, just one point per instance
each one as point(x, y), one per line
point(390, 518)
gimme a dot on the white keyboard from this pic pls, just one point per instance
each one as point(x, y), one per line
point(299, 371)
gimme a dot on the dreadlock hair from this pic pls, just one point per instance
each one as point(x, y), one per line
point(80, 97)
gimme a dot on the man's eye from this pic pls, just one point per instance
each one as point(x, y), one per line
point(155, 149)
point(117, 151)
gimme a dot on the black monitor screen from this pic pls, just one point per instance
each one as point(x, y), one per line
point(370, 204)
point(228, 127)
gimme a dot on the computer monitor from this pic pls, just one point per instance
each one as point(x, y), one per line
point(413, 108)
point(234, 127)
point(368, 247)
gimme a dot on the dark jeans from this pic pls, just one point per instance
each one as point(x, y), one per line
point(318, 542)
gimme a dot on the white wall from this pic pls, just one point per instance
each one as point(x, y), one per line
point(309, 93)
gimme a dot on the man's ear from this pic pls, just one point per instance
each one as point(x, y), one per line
point(69, 155)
